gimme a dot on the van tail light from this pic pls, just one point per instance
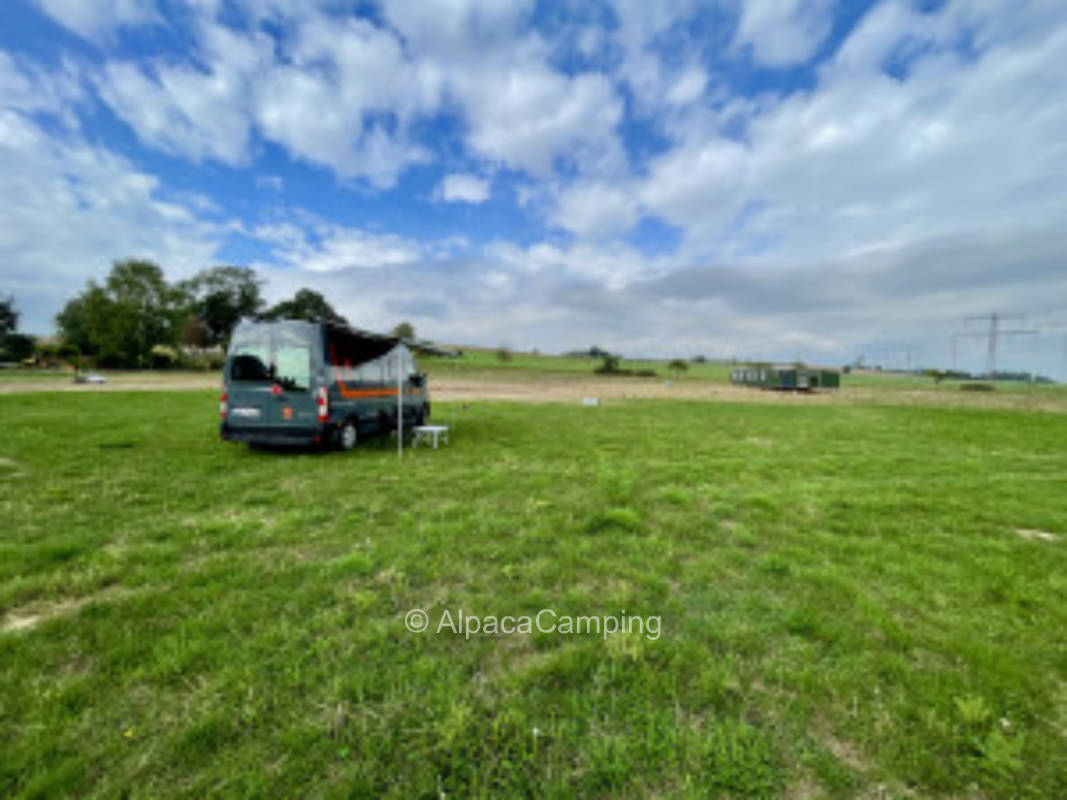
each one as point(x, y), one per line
point(324, 405)
point(223, 399)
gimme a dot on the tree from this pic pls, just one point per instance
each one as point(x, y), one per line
point(14, 346)
point(220, 297)
point(148, 310)
point(937, 374)
point(677, 366)
point(17, 347)
point(405, 330)
point(122, 320)
point(194, 332)
point(9, 315)
point(306, 304)
point(80, 320)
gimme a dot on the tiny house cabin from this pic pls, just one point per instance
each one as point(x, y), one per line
point(786, 378)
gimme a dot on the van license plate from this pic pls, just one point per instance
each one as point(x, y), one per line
point(245, 412)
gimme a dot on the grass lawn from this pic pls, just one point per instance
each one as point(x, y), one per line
point(847, 607)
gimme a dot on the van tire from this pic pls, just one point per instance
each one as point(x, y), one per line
point(348, 435)
point(421, 415)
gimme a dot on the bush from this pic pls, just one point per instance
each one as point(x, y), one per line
point(164, 356)
point(609, 366)
point(678, 365)
point(16, 347)
point(47, 355)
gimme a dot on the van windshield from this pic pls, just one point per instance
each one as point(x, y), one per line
point(278, 353)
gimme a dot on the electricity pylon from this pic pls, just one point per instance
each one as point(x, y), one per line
point(993, 334)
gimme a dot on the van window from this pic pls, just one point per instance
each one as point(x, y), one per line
point(370, 372)
point(250, 362)
point(276, 352)
point(293, 366)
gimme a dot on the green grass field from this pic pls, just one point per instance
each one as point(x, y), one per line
point(847, 607)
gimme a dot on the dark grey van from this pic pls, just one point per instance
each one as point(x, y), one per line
point(295, 382)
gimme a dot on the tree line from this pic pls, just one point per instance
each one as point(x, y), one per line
point(135, 318)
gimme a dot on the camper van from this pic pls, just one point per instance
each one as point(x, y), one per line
point(296, 382)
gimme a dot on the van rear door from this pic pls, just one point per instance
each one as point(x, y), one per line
point(270, 375)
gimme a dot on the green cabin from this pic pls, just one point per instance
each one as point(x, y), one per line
point(791, 379)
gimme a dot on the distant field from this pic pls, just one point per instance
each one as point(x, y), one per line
point(459, 380)
point(486, 364)
point(855, 600)
point(484, 360)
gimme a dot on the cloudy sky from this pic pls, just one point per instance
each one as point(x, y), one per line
point(815, 179)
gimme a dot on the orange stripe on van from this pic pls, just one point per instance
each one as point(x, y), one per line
point(349, 394)
point(366, 392)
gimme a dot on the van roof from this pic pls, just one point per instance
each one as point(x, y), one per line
point(375, 344)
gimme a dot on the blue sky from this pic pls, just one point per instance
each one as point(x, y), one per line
point(784, 179)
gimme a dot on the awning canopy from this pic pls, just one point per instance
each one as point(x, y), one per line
point(356, 346)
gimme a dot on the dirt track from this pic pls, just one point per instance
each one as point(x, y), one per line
point(530, 387)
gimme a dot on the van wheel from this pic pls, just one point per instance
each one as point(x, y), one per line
point(348, 435)
point(420, 416)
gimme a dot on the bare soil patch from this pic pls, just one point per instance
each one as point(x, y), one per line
point(1032, 534)
point(30, 616)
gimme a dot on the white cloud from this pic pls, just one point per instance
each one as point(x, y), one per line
point(344, 93)
point(527, 117)
point(72, 208)
point(596, 208)
point(183, 111)
point(97, 19)
point(613, 264)
point(275, 183)
point(323, 247)
point(654, 83)
point(784, 32)
point(318, 104)
point(867, 159)
point(462, 188)
point(321, 106)
point(304, 113)
point(31, 89)
point(520, 112)
point(689, 86)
